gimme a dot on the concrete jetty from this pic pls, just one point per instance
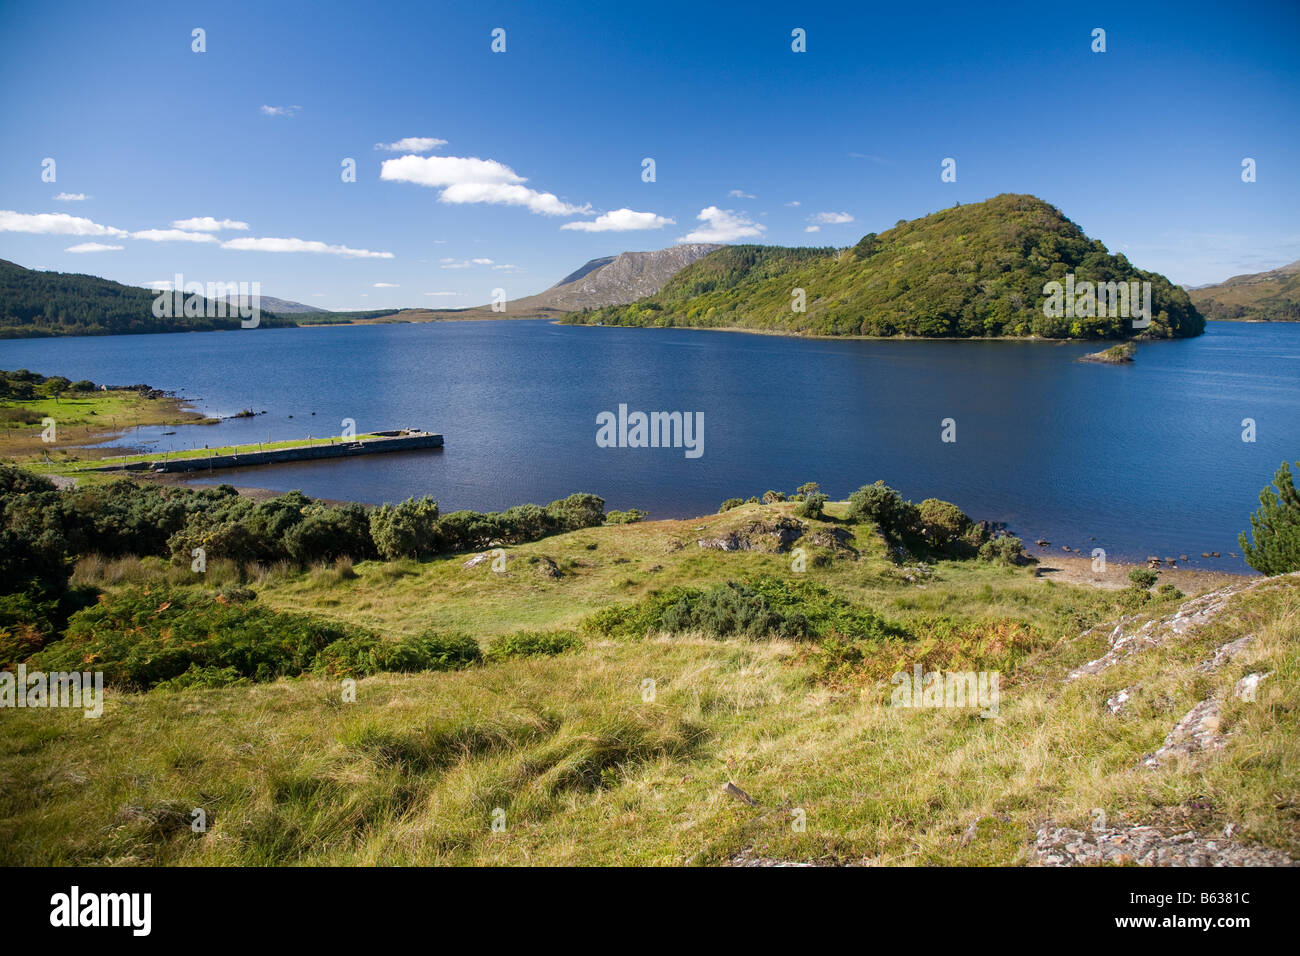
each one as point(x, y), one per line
point(313, 450)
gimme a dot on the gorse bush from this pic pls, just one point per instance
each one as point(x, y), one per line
point(943, 522)
point(1276, 527)
point(631, 516)
point(1004, 549)
point(405, 530)
point(886, 508)
point(812, 506)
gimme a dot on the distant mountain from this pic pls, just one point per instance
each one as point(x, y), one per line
point(287, 306)
point(1272, 296)
point(611, 280)
point(978, 270)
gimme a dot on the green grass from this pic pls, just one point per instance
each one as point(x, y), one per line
point(223, 450)
point(590, 767)
point(82, 419)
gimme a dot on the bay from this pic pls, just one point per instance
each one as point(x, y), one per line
point(1140, 459)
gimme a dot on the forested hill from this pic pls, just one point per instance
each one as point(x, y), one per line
point(967, 271)
point(36, 303)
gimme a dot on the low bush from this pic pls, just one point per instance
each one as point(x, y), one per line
point(361, 655)
point(766, 607)
point(886, 508)
point(531, 644)
point(1143, 577)
point(1005, 549)
point(631, 516)
point(140, 637)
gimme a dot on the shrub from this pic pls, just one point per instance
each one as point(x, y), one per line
point(531, 644)
point(140, 637)
point(1276, 527)
point(886, 508)
point(812, 506)
point(1133, 597)
point(1143, 578)
point(731, 503)
point(766, 606)
point(1006, 549)
point(772, 497)
point(407, 529)
point(361, 655)
point(577, 511)
point(327, 534)
point(731, 609)
point(468, 531)
point(943, 522)
point(631, 516)
point(1169, 592)
point(198, 676)
point(524, 523)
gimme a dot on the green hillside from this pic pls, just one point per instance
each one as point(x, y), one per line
point(36, 304)
point(969, 271)
point(1262, 297)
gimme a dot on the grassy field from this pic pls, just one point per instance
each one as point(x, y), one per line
point(83, 419)
point(62, 467)
point(580, 760)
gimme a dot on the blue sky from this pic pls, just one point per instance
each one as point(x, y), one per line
point(1141, 145)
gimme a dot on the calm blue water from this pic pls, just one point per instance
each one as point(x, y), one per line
point(1143, 459)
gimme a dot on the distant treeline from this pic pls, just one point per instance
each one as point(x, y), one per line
point(39, 304)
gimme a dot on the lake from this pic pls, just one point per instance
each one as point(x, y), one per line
point(1140, 459)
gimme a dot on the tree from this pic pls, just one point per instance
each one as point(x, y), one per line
point(1276, 527)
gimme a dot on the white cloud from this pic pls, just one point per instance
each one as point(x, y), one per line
point(280, 110)
point(385, 285)
point(93, 247)
point(793, 202)
point(621, 220)
point(450, 263)
point(741, 194)
point(54, 224)
point(508, 266)
point(270, 244)
point(813, 229)
point(412, 144)
point(172, 235)
point(208, 224)
point(444, 293)
point(723, 225)
point(71, 197)
point(830, 218)
point(468, 179)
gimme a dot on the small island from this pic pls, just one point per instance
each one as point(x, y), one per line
point(1115, 355)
